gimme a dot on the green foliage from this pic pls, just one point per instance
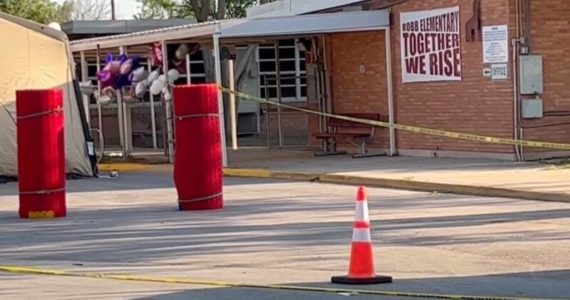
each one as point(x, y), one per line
point(41, 11)
point(237, 9)
point(161, 9)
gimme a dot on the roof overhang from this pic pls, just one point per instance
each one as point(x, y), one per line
point(243, 30)
point(199, 30)
point(295, 7)
point(107, 27)
point(307, 24)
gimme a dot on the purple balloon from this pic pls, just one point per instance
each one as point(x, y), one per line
point(123, 81)
point(106, 78)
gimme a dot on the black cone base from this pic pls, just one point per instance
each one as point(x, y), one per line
point(371, 280)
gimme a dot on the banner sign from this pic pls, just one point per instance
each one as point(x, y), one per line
point(431, 45)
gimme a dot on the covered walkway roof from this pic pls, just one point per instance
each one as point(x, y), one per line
point(244, 29)
point(306, 24)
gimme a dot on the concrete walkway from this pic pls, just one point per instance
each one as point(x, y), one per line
point(463, 176)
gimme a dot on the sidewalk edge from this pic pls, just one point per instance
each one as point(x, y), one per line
point(401, 184)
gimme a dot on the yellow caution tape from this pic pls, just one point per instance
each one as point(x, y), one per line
point(35, 271)
point(415, 129)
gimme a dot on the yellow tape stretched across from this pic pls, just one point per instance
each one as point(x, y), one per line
point(421, 130)
point(35, 271)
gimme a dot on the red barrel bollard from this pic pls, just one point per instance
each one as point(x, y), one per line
point(41, 153)
point(198, 173)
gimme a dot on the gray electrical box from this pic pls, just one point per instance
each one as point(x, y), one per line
point(532, 108)
point(531, 79)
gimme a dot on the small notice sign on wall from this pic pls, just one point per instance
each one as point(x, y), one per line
point(431, 45)
point(499, 72)
point(495, 44)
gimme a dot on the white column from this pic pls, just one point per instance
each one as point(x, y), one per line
point(121, 115)
point(392, 130)
point(233, 112)
point(152, 111)
point(218, 69)
point(85, 98)
point(188, 70)
point(168, 106)
point(99, 108)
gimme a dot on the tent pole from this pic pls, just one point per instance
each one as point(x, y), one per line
point(168, 105)
point(279, 100)
point(218, 70)
point(388, 44)
point(233, 113)
point(152, 111)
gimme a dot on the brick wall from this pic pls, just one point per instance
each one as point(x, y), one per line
point(474, 105)
point(550, 29)
point(294, 126)
point(358, 75)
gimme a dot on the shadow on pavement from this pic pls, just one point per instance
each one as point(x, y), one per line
point(128, 181)
point(141, 233)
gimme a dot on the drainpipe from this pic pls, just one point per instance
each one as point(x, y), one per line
point(515, 44)
point(391, 114)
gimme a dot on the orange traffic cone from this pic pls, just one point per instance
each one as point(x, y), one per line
point(361, 270)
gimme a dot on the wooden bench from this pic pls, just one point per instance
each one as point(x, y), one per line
point(358, 134)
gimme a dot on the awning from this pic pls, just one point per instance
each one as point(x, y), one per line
point(206, 30)
point(248, 28)
point(307, 24)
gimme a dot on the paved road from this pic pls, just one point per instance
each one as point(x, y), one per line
point(58, 288)
point(283, 233)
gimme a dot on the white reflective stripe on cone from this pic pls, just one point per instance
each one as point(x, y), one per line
point(361, 235)
point(361, 212)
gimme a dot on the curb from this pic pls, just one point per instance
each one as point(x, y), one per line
point(123, 167)
point(401, 184)
point(269, 174)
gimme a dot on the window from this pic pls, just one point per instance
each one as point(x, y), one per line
point(292, 70)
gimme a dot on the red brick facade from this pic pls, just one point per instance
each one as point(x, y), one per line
point(358, 75)
point(477, 104)
point(550, 37)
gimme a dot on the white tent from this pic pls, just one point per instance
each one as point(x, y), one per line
point(34, 56)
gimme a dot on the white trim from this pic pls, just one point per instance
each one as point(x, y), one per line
point(206, 29)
